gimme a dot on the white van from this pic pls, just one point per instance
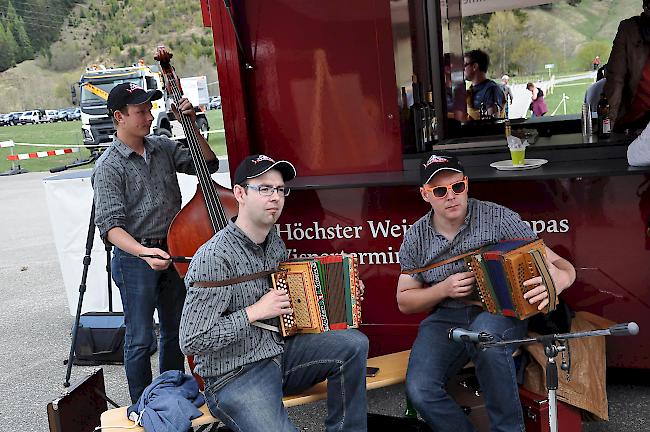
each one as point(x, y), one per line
point(34, 116)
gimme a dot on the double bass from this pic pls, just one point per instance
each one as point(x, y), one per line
point(212, 205)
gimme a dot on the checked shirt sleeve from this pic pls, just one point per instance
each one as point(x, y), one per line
point(207, 323)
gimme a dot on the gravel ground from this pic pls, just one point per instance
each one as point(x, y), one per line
point(36, 326)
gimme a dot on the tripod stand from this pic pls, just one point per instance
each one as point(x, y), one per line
point(90, 237)
point(553, 345)
point(82, 288)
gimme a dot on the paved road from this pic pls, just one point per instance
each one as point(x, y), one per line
point(36, 324)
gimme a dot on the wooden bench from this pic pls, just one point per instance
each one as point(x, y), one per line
point(392, 370)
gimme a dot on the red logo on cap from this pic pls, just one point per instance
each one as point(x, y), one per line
point(261, 158)
point(435, 159)
point(133, 87)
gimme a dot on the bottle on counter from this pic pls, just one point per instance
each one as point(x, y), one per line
point(406, 124)
point(432, 121)
point(418, 117)
point(604, 122)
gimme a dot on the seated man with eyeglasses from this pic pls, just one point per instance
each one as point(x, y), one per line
point(455, 225)
point(247, 367)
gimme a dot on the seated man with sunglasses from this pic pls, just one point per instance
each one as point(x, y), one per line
point(246, 365)
point(455, 225)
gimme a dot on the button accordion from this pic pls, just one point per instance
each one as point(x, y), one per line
point(501, 270)
point(324, 294)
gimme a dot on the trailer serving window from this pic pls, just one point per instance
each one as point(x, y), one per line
point(557, 46)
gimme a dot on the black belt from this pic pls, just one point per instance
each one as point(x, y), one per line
point(149, 242)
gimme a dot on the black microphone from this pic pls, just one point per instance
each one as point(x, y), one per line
point(457, 334)
point(624, 329)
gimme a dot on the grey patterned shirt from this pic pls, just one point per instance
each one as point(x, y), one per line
point(485, 223)
point(214, 325)
point(142, 197)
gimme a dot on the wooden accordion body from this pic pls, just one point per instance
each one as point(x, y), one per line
point(324, 294)
point(502, 268)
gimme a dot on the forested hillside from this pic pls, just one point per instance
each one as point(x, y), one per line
point(65, 36)
point(29, 26)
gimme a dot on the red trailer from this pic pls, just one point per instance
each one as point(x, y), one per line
point(318, 83)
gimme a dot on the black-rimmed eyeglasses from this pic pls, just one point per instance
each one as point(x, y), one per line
point(266, 190)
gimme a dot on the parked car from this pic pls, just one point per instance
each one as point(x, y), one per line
point(13, 117)
point(61, 115)
point(215, 102)
point(52, 115)
point(33, 116)
point(4, 119)
point(73, 114)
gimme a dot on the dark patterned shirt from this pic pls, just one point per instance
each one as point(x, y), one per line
point(142, 197)
point(485, 223)
point(214, 326)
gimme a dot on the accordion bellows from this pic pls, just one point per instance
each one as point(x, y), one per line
point(324, 294)
point(501, 270)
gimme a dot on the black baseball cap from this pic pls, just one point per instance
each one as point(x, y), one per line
point(130, 94)
point(256, 165)
point(436, 162)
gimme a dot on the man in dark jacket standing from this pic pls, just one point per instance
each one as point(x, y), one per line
point(628, 72)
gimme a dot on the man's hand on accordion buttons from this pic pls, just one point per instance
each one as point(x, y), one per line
point(272, 304)
point(460, 284)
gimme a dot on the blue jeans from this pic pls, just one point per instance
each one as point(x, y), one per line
point(435, 359)
point(250, 397)
point(142, 290)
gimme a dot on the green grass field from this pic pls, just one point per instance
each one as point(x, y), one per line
point(62, 134)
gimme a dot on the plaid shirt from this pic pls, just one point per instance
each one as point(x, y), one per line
point(141, 196)
point(485, 223)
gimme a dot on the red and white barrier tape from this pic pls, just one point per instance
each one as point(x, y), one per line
point(41, 154)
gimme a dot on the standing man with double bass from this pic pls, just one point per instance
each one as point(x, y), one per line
point(136, 196)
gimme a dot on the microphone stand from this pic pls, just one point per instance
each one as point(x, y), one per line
point(555, 344)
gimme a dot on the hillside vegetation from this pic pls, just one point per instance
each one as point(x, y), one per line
point(566, 33)
point(77, 34)
point(52, 41)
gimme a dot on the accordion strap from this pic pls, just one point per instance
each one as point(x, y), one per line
point(232, 281)
point(240, 279)
point(439, 263)
point(547, 280)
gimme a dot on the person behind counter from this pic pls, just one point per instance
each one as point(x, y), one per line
point(455, 225)
point(638, 152)
point(247, 368)
point(593, 92)
point(483, 92)
point(136, 196)
point(628, 73)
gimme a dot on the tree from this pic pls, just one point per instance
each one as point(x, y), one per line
point(7, 49)
point(530, 56)
point(588, 52)
point(504, 30)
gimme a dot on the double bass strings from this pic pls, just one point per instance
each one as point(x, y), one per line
point(217, 215)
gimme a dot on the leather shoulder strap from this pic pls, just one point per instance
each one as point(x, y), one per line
point(438, 264)
point(240, 279)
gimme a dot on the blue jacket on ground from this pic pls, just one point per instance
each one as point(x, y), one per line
point(168, 404)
